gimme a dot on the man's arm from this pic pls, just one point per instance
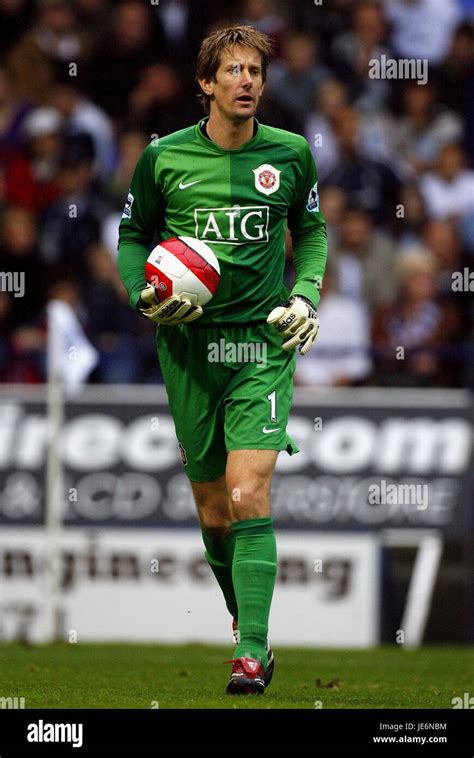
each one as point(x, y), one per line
point(143, 211)
point(308, 234)
point(297, 320)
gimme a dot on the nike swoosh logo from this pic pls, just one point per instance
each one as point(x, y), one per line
point(269, 431)
point(189, 184)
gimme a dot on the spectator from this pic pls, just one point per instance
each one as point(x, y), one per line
point(13, 112)
point(156, 103)
point(50, 46)
point(82, 116)
point(425, 127)
point(93, 15)
point(411, 217)
point(332, 95)
point(422, 28)
point(353, 51)
point(181, 25)
point(130, 44)
point(410, 336)
point(131, 144)
point(333, 205)
point(375, 135)
point(73, 222)
point(370, 184)
point(15, 18)
point(114, 338)
point(263, 15)
point(19, 254)
point(270, 110)
point(365, 261)
point(31, 174)
point(25, 357)
point(342, 354)
point(441, 238)
point(449, 190)
point(327, 20)
point(294, 81)
point(457, 72)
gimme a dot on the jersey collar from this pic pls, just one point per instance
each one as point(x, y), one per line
point(215, 148)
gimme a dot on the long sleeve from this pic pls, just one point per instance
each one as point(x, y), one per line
point(308, 233)
point(143, 213)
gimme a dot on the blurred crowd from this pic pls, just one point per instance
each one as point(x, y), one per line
point(86, 84)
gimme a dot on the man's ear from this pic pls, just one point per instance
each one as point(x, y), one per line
point(207, 86)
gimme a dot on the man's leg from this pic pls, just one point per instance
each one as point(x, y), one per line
point(219, 539)
point(248, 477)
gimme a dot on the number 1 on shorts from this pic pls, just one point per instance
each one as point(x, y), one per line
point(273, 413)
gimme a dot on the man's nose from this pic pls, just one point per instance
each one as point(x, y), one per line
point(245, 77)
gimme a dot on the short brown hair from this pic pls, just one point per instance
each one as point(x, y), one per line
point(212, 46)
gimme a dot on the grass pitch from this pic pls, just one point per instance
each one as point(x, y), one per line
point(193, 676)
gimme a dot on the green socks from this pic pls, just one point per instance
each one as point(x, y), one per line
point(244, 563)
point(219, 554)
point(254, 569)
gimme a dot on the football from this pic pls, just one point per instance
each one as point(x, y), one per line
point(183, 266)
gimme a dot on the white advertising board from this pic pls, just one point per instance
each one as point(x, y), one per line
point(155, 586)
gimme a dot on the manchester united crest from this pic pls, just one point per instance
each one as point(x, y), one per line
point(267, 178)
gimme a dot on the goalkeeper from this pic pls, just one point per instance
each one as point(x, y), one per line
point(235, 184)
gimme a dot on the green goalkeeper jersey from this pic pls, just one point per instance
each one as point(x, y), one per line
point(237, 201)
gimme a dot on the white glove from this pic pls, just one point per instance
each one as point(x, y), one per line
point(173, 310)
point(298, 323)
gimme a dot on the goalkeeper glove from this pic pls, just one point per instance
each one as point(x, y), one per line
point(173, 310)
point(298, 323)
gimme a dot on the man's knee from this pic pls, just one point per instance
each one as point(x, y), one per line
point(249, 499)
point(248, 477)
point(215, 517)
point(212, 506)
point(216, 532)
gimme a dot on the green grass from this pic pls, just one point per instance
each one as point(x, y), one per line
point(193, 676)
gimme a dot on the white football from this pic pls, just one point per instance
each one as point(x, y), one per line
point(183, 266)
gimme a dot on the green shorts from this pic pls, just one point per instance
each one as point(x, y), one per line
point(229, 388)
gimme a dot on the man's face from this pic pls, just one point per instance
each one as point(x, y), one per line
point(356, 231)
point(238, 86)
